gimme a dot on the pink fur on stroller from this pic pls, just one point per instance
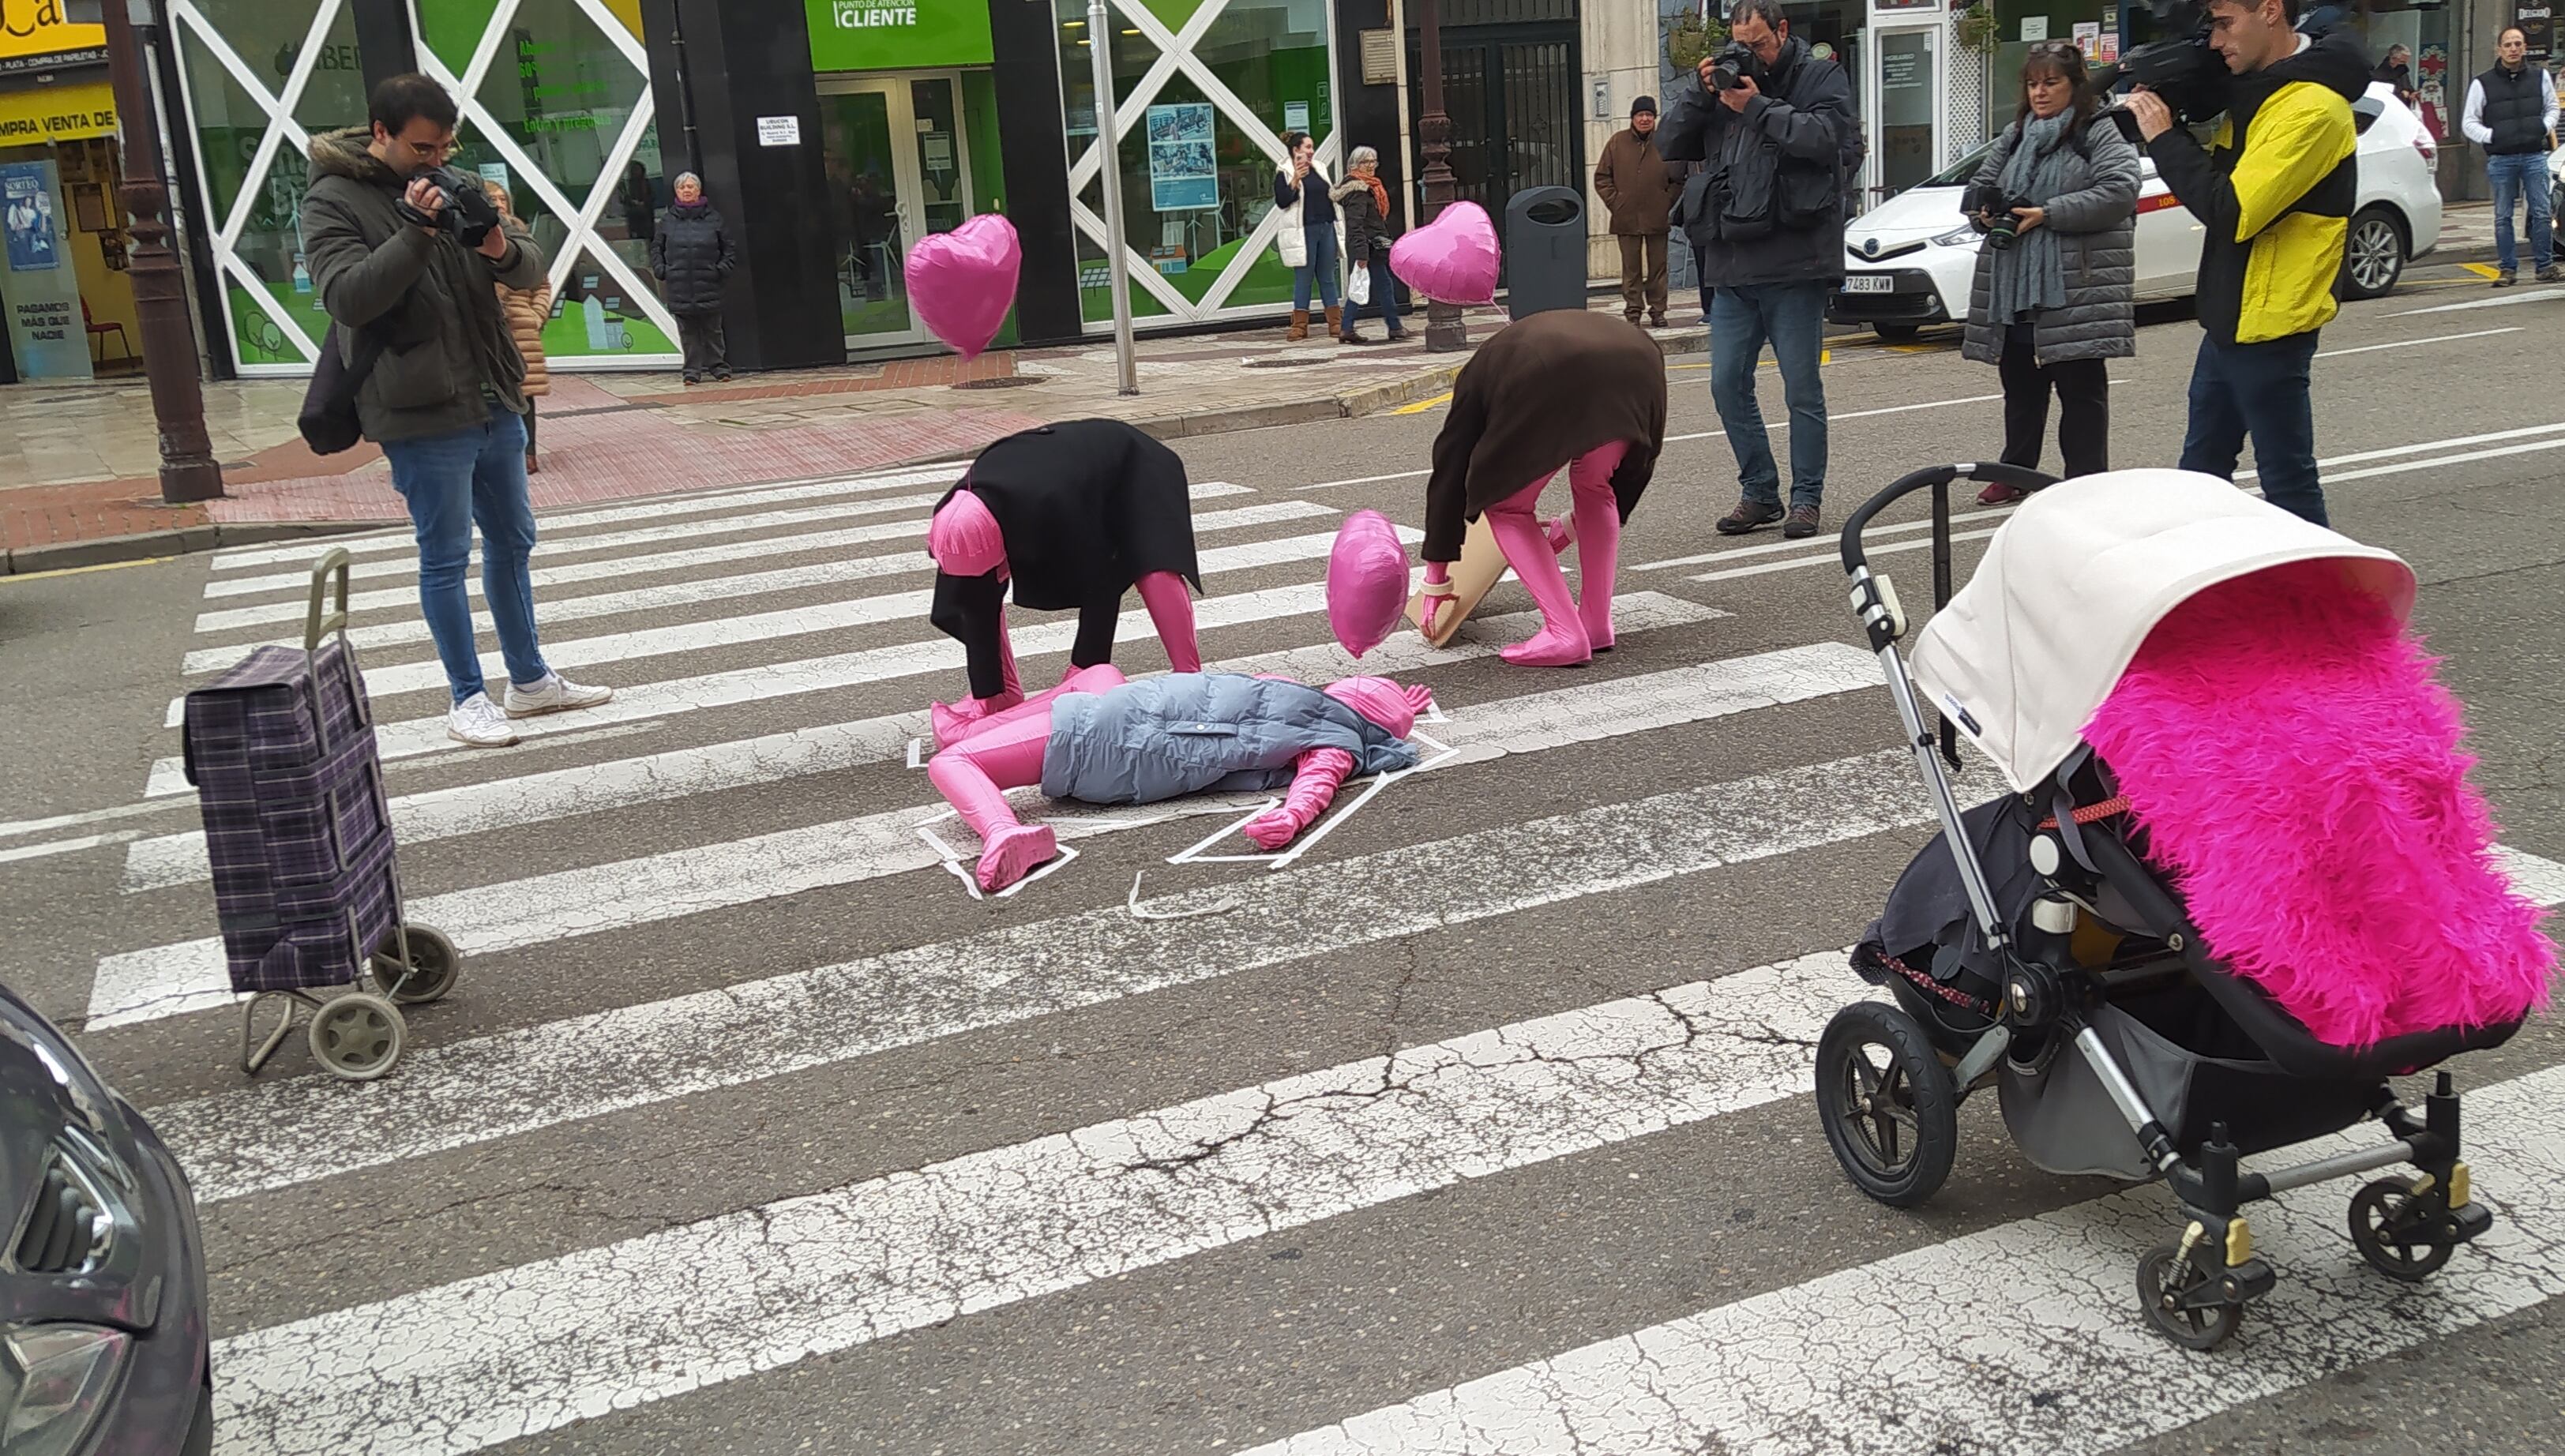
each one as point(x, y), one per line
point(2239, 881)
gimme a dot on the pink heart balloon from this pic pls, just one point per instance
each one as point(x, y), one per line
point(1367, 575)
point(1451, 259)
point(963, 282)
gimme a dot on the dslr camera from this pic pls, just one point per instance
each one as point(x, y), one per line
point(2189, 77)
point(468, 214)
point(1733, 63)
point(2003, 228)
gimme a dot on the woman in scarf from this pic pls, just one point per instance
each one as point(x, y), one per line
point(2054, 300)
point(1365, 205)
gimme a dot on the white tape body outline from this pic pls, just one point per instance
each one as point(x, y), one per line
point(1336, 816)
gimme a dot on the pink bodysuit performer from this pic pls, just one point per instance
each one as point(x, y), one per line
point(1563, 388)
point(1069, 515)
point(1100, 739)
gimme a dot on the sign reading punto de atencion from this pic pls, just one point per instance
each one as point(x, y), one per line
point(888, 35)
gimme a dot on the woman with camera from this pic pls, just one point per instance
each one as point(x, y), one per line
point(2057, 276)
point(1309, 242)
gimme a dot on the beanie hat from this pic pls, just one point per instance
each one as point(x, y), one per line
point(964, 537)
point(1645, 105)
point(1382, 701)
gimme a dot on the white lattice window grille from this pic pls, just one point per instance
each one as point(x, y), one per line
point(1176, 56)
point(530, 54)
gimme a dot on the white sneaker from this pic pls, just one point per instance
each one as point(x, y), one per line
point(555, 694)
point(477, 722)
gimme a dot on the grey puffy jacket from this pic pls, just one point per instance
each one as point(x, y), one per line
point(2096, 221)
point(1160, 738)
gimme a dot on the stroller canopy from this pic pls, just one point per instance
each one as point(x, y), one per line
point(2072, 584)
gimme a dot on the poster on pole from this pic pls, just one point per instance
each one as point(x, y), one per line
point(1183, 175)
point(46, 330)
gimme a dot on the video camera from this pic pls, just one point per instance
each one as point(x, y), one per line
point(2190, 77)
point(468, 214)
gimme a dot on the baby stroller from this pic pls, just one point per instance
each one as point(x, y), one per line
point(2033, 947)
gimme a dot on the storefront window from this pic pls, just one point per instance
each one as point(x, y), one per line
point(1203, 94)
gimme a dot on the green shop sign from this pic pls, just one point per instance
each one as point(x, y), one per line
point(895, 35)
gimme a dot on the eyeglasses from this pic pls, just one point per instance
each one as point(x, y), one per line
point(2057, 50)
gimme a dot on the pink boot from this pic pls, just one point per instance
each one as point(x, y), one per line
point(1597, 513)
point(973, 775)
point(1560, 642)
point(1171, 611)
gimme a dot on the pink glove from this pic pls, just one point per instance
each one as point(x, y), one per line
point(1314, 787)
point(1563, 534)
point(1437, 573)
point(956, 722)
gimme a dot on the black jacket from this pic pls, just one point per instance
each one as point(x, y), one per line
point(424, 297)
point(1087, 507)
point(1367, 232)
point(693, 256)
point(1769, 205)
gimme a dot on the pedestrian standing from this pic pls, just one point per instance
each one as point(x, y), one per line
point(2511, 112)
point(1639, 194)
point(1368, 233)
point(446, 395)
point(693, 256)
point(2273, 196)
point(2061, 298)
point(1771, 217)
point(1309, 241)
point(527, 309)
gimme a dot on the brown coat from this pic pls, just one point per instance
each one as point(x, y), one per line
point(527, 309)
point(1544, 390)
point(1635, 185)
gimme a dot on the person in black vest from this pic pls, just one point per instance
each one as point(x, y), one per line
point(2511, 109)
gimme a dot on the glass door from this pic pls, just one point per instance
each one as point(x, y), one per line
point(1907, 79)
point(898, 169)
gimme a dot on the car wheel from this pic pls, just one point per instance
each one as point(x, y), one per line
point(2373, 255)
point(1896, 333)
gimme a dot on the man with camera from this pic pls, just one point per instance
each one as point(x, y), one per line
point(2511, 114)
point(1775, 129)
point(407, 254)
point(2274, 194)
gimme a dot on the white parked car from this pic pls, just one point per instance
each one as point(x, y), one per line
point(1910, 260)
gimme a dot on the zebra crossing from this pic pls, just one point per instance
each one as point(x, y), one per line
point(698, 921)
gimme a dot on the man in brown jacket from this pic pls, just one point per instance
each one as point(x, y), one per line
point(1639, 194)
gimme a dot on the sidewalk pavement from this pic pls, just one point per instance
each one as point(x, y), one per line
point(80, 462)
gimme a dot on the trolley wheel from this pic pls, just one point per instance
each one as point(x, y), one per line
point(433, 965)
point(2165, 1281)
point(1890, 1111)
point(2401, 1236)
point(357, 1036)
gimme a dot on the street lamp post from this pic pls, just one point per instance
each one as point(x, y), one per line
point(1108, 152)
point(1444, 330)
point(188, 470)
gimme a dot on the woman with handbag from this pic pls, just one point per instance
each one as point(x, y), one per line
point(527, 309)
point(2056, 280)
point(1309, 241)
point(1365, 204)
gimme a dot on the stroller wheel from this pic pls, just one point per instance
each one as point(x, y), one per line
point(2174, 1292)
point(2402, 1237)
point(1890, 1111)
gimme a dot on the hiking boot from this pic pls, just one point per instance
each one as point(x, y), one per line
point(2552, 273)
point(1748, 516)
point(1802, 524)
point(2505, 279)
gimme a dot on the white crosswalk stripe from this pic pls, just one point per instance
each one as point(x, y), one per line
point(755, 776)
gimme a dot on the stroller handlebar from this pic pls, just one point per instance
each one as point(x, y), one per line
point(1937, 478)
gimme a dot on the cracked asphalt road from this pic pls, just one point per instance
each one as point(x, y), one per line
point(1507, 1072)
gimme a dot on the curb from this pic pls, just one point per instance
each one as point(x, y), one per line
point(160, 545)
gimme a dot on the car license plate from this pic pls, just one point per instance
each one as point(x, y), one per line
point(1869, 282)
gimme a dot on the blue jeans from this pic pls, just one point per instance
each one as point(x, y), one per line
point(451, 482)
point(1320, 240)
point(1385, 297)
point(1792, 316)
point(2258, 389)
point(2512, 177)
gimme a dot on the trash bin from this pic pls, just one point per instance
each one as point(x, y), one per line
point(1545, 250)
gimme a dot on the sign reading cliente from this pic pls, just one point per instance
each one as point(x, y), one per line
point(892, 35)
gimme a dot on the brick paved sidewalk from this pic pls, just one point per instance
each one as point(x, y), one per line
point(82, 462)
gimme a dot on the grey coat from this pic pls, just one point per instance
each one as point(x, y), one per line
point(2096, 220)
point(1164, 737)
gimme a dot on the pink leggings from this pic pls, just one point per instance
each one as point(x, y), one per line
point(1005, 752)
point(1571, 627)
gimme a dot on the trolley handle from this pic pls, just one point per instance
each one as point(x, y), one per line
point(333, 562)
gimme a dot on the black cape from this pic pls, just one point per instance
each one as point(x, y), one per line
point(1087, 507)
